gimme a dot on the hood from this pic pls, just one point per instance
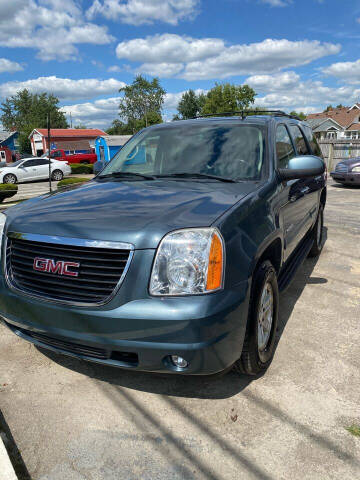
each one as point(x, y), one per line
point(137, 212)
point(351, 162)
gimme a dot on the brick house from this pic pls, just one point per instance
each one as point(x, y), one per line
point(338, 123)
point(72, 140)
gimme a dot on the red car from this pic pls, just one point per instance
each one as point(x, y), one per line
point(59, 154)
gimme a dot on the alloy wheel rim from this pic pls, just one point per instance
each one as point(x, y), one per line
point(57, 176)
point(265, 316)
point(10, 179)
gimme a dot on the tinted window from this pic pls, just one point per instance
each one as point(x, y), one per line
point(312, 141)
point(223, 149)
point(284, 149)
point(56, 155)
point(41, 161)
point(29, 163)
point(299, 139)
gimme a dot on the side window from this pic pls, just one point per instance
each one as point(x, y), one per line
point(29, 163)
point(41, 161)
point(300, 142)
point(284, 148)
point(56, 154)
point(313, 142)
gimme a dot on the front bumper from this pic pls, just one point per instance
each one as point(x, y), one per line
point(207, 330)
point(350, 177)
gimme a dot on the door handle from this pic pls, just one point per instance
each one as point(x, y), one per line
point(305, 190)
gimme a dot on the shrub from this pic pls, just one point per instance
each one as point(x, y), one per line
point(71, 181)
point(81, 168)
point(7, 190)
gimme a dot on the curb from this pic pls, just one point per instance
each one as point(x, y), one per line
point(6, 468)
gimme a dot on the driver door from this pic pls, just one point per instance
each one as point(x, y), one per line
point(27, 171)
point(293, 199)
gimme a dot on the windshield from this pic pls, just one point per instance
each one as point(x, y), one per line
point(229, 151)
point(15, 164)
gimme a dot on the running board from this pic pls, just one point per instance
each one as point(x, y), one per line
point(295, 261)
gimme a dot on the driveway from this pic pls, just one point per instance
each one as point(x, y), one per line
point(76, 420)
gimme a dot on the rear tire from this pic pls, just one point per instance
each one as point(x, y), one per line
point(57, 175)
point(318, 234)
point(259, 343)
point(10, 178)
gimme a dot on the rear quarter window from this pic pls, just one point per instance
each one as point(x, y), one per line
point(312, 141)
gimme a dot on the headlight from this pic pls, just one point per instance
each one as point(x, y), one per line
point(188, 262)
point(356, 169)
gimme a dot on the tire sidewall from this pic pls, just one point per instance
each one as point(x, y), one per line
point(7, 175)
point(266, 273)
point(53, 173)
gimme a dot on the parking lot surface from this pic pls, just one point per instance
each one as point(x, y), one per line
point(77, 420)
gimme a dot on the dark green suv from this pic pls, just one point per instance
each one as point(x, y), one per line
point(172, 258)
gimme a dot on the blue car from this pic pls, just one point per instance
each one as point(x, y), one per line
point(173, 258)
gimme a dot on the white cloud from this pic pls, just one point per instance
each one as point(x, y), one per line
point(287, 91)
point(114, 68)
point(101, 113)
point(278, 3)
point(138, 12)
point(64, 88)
point(346, 71)
point(53, 27)
point(170, 55)
point(9, 66)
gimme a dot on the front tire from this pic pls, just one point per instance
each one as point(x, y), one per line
point(57, 175)
point(10, 178)
point(259, 343)
point(318, 234)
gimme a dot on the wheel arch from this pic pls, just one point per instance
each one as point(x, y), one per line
point(272, 251)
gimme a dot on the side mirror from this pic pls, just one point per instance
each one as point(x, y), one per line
point(302, 167)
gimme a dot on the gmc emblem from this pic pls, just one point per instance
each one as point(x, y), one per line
point(60, 267)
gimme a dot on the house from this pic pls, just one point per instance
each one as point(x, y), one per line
point(71, 140)
point(8, 142)
point(338, 123)
point(107, 146)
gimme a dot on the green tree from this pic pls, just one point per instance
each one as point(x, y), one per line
point(141, 102)
point(340, 105)
point(119, 128)
point(25, 111)
point(228, 98)
point(81, 126)
point(190, 105)
point(301, 115)
point(328, 108)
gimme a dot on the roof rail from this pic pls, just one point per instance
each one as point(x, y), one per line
point(244, 114)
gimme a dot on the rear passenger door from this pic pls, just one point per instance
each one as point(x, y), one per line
point(294, 212)
point(309, 186)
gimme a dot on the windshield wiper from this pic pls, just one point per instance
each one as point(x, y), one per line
point(196, 175)
point(128, 175)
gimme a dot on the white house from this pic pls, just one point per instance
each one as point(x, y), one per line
point(338, 123)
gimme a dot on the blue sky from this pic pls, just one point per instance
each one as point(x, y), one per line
point(296, 54)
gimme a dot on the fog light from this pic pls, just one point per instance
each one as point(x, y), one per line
point(179, 361)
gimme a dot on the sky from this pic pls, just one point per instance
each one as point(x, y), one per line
point(297, 54)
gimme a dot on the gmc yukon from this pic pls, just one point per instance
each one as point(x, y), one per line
point(175, 263)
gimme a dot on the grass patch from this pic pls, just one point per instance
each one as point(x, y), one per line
point(354, 430)
point(7, 190)
point(71, 181)
point(81, 168)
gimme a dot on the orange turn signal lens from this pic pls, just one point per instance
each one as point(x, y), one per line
point(215, 268)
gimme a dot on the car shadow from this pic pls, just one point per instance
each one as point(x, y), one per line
point(219, 386)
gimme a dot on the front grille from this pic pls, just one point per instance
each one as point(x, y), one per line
point(341, 168)
point(79, 349)
point(99, 273)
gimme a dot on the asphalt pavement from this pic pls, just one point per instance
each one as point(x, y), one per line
point(73, 420)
